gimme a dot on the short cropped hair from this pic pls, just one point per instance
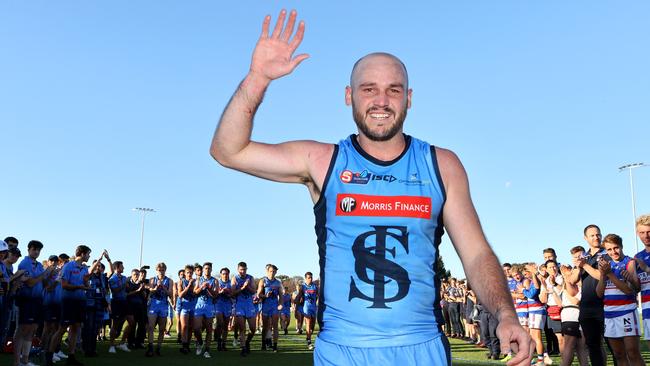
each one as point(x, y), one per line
point(10, 240)
point(242, 264)
point(549, 250)
point(34, 244)
point(576, 249)
point(642, 220)
point(309, 274)
point(589, 227)
point(81, 250)
point(613, 239)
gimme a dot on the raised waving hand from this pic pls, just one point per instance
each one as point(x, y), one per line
point(273, 55)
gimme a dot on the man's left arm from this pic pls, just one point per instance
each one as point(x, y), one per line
point(480, 264)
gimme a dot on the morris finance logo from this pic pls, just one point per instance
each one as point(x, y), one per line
point(348, 204)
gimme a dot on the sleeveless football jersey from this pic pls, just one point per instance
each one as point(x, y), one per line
point(644, 278)
point(272, 286)
point(617, 302)
point(159, 295)
point(378, 226)
point(245, 295)
point(204, 296)
point(224, 284)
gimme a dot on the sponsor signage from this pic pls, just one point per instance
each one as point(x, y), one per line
point(389, 206)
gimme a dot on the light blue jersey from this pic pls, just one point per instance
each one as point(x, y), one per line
point(224, 301)
point(272, 293)
point(32, 268)
point(310, 298)
point(244, 301)
point(378, 227)
point(204, 305)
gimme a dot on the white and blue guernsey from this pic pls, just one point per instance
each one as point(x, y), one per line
point(378, 226)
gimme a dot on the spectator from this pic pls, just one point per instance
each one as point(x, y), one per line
point(592, 317)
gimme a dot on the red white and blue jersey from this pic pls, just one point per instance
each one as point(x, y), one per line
point(535, 306)
point(644, 279)
point(521, 305)
point(616, 302)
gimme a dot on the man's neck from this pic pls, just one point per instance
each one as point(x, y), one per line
point(383, 150)
point(594, 250)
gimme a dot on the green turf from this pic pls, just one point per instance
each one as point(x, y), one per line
point(292, 351)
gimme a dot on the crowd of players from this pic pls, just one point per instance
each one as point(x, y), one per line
point(576, 305)
point(80, 297)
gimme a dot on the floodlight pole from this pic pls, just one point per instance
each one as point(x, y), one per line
point(144, 212)
point(630, 167)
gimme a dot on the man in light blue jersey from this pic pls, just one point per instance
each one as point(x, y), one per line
point(29, 301)
point(243, 288)
point(205, 291)
point(285, 313)
point(223, 308)
point(309, 295)
point(74, 282)
point(117, 283)
point(379, 199)
point(158, 311)
point(269, 290)
point(51, 302)
point(187, 304)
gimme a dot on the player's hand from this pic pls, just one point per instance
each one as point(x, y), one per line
point(604, 267)
point(629, 277)
point(515, 339)
point(273, 55)
point(579, 262)
point(641, 263)
point(280, 307)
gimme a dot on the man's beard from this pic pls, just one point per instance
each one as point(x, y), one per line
point(359, 119)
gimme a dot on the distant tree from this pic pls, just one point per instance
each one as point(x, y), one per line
point(441, 271)
point(282, 278)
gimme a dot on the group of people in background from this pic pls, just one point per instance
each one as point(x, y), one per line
point(577, 304)
point(80, 298)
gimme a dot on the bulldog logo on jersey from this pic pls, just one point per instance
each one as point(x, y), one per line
point(374, 259)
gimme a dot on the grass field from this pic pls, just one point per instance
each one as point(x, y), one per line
point(292, 352)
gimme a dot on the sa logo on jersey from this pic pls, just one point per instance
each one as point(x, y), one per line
point(347, 176)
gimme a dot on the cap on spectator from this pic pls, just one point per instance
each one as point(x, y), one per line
point(3, 246)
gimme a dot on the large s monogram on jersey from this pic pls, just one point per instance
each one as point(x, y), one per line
point(374, 259)
point(379, 225)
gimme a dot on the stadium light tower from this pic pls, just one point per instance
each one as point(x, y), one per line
point(630, 167)
point(144, 212)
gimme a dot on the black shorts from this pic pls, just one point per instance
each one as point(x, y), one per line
point(118, 309)
point(30, 310)
point(571, 329)
point(52, 312)
point(73, 311)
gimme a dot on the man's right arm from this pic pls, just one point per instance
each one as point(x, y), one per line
point(290, 162)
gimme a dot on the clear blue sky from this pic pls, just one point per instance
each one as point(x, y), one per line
point(105, 106)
